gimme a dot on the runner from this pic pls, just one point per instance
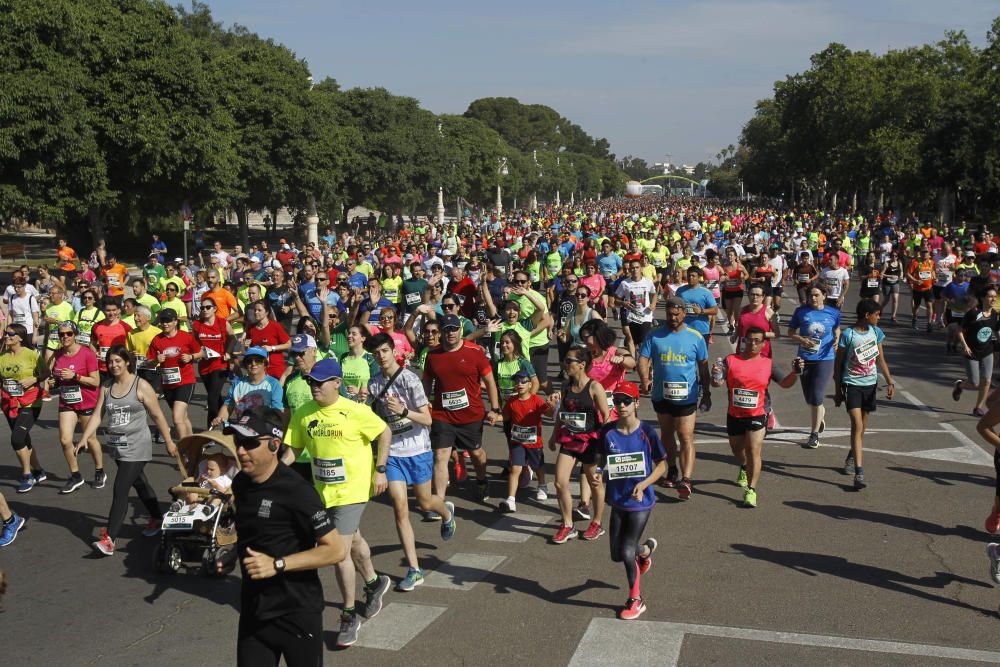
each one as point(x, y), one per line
point(920, 275)
point(522, 414)
point(632, 459)
point(673, 369)
point(215, 335)
point(23, 373)
point(977, 339)
point(636, 295)
point(173, 351)
point(859, 353)
point(254, 392)
point(816, 328)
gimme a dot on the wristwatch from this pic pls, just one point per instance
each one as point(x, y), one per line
point(380, 469)
point(279, 565)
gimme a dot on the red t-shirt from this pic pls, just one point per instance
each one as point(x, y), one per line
point(211, 337)
point(456, 378)
point(523, 417)
point(181, 343)
point(272, 334)
point(104, 335)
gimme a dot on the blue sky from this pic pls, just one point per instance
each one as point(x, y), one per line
point(674, 78)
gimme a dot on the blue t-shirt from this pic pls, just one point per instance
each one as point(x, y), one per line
point(623, 451)
point(609, 265)
point(818, 324)
point(245, 397)
point(675, 356)
point(955, 291)
point(307, 292)
point(374, 311)
point(861, 356)
point(699, 296)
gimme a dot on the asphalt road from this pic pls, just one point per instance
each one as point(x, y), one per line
point(817, 574)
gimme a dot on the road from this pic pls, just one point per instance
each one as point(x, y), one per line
point(818, 573)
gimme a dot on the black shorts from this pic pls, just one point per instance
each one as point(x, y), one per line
point(938, 290)
point(777, 290)
point(639, 331)
point(863, 397)
point(298, 637)
point(80, 413)
point(533, 457)
point(468, 437)
point(743, 425)
point(182, 393)
point(540, 362)
point(732, 294)
point(922, 296)
point(587, 457)
point(674, 409)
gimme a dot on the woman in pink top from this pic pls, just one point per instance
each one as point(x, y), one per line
point(758, 314)
point(75, 372)
point(596, 284)
point(608, 363)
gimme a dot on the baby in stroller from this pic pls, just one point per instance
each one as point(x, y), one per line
point(215, 473)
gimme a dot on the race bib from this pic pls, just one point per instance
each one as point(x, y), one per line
point(675, 390)
point(873, 282)
point(892, 280)
point(114, 280)
point(866, 351)
point(413, 299)
point(329, 471)
point(803, 277)
point(623, 466)
point(609, 396)
point(177, 520)
point(13, 387)
point(143, 363)
point(712, 285)
point(171, 375)
point(71, 394)
point(391, 294)
point(943, 277)
point(525, 435)
point(454, 400)
point(398, 424)
point(210, 353)
point(83, 338)
point(574, 421)
point(636, 317)
point(813, 345)
point(924, 275)
point(102, 352)
point(116, 440)
point(746, 398)
point(20, 318)
point(732, 284)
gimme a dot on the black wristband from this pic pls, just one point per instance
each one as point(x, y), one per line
point(406, 411)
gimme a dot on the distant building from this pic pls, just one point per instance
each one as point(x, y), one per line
point(687, 169)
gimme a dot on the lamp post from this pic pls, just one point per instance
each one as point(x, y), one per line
point(501, 172)
point(534, 195)
point(557, 187)
point(312, 216)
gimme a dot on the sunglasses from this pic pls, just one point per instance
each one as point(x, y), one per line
point(522, 381)
point(11, 333)
point(623, 400)
point(449, 305)
point(582, 295)
point(572, 360)
point(571, 282)
point(86, 298)
point(253, 360)
point(313, 382)
point(432, 332)
point(321, 280)
point(65, 334)
point(208, 306)
point(249, 443)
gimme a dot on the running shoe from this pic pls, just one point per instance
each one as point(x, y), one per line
point(749, 498)
point(741, 479)
point(373, 595)
point(460, 474)
point(72, 484)
point(594, 530)
point(542, 493)
point(105, 545)
point(849, 466)
point(582, 512)
point(46, 396)
point(27, 483)
point(100, 479)
point(859, 480)
point(448, 527)
point(812, 442)
point(349, 626)
point(152, 528)
point(669, 480)
point(913, 324)
point(993, 522)
point(11, 528)
point(684, 489)
point(564, 534)
point(991, 551)
point(956, 391)
point(507, 507)
point(483, 487)
point(432, 516)
point(647, 562)
point(40, 475)
point(633, 609)
point(414, 577)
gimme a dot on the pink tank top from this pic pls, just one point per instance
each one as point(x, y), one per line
point(750, 319)
point(712, 278)
point(608, 376)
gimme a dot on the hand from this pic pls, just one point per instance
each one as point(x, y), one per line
point(638, 491)
point(706, 403)
point(596, 476)
point(395, 405)
point(890, 390)
point(381, 483)
point(26, 382)
point(161, 357)
point(491, 417)
point(968, 351)
point(79, 446)
point(171, 448)
point(492, 326)
point(552, 446)
point(838, 397)
point(186, 358)
point(258, 565)
point(646, 385)
point(554, 398)
point(617, 360)
point(67, 374)
point(217, 421)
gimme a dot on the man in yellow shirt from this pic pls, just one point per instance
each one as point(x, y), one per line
point(338, 434)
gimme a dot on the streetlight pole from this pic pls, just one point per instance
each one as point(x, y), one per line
point(501, 172)
point(557, 175)
point(440, 209)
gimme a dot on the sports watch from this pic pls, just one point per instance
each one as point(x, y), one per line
point(380, 469)
point(279, 565)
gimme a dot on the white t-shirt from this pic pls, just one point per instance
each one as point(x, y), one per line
point(834, 279)
point(408, 437)
point(640, 293)
point(778, 264)
point(21, 309)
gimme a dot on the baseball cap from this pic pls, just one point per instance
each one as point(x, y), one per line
point(302, 342)
point(324, 370)
point(255, 351)
point(627, 389)
point(450, 322)
point(675, 301)
point(254, 425)
point(521, 376)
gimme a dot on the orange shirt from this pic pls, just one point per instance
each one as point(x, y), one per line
point(116, 277)
point(224, 300)
point(924, 271)
point(66, 258)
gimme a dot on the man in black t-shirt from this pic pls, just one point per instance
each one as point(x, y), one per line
point(284, 537)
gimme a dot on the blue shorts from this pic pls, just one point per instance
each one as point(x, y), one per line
point(410, 469)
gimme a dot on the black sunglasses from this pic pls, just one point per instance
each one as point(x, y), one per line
point(623, 400)
point(313, 382)
point(249, 443)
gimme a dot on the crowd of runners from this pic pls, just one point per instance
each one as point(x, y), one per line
point(373, 360)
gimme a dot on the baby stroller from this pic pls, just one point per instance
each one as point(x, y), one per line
point(189, 534)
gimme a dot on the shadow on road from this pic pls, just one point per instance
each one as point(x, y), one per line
point(945, 478)
point(896, 521)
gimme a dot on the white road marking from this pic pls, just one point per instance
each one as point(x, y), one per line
point(515, 527)
point(975, 450)
point(624, 643)
point(927, 410)
point(397, 625)
point(462, 571)
point(954, 454)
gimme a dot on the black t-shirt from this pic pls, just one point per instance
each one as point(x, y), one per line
point(279, 517)
point(980, 332)
point(279, 297)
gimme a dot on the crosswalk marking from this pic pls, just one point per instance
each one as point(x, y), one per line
point(397, 624)
point(515, 527)
point(463, 571)
point(626, 643)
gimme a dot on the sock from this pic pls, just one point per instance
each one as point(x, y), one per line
point(633, 592)
point(510, 500)
point(9, 521)
point(77, 475)
point(371, 584)
point(98, 470)
point(348, 611)
point(859, 470)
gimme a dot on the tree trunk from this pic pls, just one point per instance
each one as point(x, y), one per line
point(95, 223)
point(242, 216)
point(881, 200)
point(854, 202)
point(946, 206)
point(833, 201)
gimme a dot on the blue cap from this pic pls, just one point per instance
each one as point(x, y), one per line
point(451, 322)
point(255, 351)
point(327, 369)
point(302, 342)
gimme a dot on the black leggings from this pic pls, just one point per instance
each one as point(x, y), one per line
point(20, 427)
point(298, 637)
point(130, 475)
point(214, 382)
point(625, 532)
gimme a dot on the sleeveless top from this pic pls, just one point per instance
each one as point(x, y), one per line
point(892, 273)
point(128, 433)
point(747, 380)
point(734, 280)
point(749, 319)
point(608, 375)
point(578, 419)
point(574, 328)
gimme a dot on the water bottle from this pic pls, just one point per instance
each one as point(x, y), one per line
point(717, 372)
